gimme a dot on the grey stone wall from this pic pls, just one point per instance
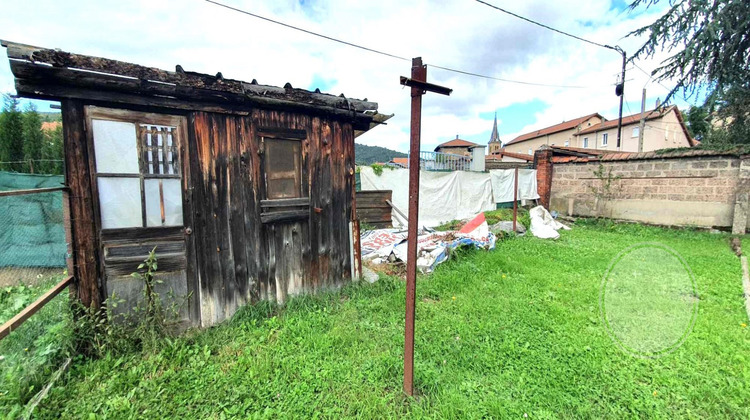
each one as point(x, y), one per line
point(698, 191)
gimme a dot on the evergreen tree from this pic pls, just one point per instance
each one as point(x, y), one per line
point(11, 136)
point(52, 151)
point(710, 42)
point(697, 121)
point(33, 141)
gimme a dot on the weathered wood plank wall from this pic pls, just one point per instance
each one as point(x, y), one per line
point(78, 177)
point(240, 259)
point(372, 208)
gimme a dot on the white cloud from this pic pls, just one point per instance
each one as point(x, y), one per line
point(454, 33)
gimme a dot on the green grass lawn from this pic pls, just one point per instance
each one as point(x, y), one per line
point(498, 334)
point(30, 354)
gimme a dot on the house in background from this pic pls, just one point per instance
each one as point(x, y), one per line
point(48, 126)
point(562, 134)
point(456, 147)
point(399, 162)
point(664, 129)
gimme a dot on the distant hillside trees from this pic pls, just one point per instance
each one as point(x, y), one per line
point(366, 155)
point(24, 146)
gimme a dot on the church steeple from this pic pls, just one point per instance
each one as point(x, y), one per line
point(494, 142)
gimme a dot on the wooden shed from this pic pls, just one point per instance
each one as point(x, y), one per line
point(246, 191)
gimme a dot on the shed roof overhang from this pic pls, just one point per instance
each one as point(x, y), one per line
point(44, 73)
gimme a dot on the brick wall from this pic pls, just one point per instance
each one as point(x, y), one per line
point(544, 170)
point(690, 190)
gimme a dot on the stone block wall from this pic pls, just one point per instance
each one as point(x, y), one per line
point(692, 190)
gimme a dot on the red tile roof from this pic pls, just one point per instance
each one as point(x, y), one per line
point(401, 161)
point(456, 143)
point(581, 150)
point(626, 120)
point(565, 125)
point(50, 125)
point(659, 154)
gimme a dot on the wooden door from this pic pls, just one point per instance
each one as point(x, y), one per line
point(285, 211)
point(140, 180)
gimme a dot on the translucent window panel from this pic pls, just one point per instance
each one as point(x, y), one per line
point(170, 194)
point(115, 146)
point(120, 202)
point(283, 170)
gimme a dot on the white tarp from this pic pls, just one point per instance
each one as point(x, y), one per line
point(443, 196)
point(543, 225)
point(446, 196)
point(502, 184)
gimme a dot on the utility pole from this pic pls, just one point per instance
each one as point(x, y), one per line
point(419, 86)
point(620, 91)
point(642, 124)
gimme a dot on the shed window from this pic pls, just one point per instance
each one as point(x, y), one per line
point(286, 194)
point(283, 169)
point(138, 174)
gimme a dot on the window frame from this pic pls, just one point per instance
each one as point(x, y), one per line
point(283, 209)
point(137, 118)
point(636, 131)
point(585, 142)
point(605, 139)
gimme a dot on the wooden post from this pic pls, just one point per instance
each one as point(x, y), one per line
point(82, 223)
point(419, 86)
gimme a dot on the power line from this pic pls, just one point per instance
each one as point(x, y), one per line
point(506, 80)
point(545, 26)
point(650, 76)
point(351, 44)
point(309, 32)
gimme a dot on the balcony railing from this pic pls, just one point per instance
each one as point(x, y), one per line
point(435, 161)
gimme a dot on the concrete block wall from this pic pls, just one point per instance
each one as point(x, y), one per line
point(696, 190)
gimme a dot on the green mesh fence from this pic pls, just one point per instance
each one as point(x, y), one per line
point(32, 236)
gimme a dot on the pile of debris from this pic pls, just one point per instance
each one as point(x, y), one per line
point(388, 246)
point(433, 247)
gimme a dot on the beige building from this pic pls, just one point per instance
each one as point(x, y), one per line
point(663, 129)
point(562, 134)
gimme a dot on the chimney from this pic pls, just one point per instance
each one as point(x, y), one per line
point(456, 136)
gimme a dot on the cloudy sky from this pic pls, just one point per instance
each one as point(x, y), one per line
point(460, 34)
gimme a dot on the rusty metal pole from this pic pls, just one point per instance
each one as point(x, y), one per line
point(418, 73)
point(419, 85)
point(515, 199)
